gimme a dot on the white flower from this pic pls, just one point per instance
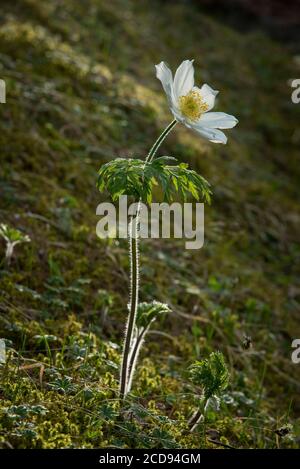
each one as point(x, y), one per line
point(191, 105)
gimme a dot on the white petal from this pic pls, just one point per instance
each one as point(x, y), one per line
point(213, 135)
point(164, 74)
point(208, 95)
point(177, 114)
point(184, 79)
point(218, 120)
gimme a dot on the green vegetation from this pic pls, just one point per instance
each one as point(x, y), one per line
point(131, 177)
point(213, 376)
point(81, 91)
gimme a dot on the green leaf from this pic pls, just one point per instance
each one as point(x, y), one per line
point(148, 312)
point(132, 177)
point(13, 235)
point(123, 177)
point(212, 374)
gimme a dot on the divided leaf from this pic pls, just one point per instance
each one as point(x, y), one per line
point(123, 177)
point(132, 177)
point(178, 179)
point(212, 374)
point(13, 235)
point(148, 312)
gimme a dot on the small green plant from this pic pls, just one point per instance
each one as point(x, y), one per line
point(136, 178)
point(12, 237)
point(212, 376)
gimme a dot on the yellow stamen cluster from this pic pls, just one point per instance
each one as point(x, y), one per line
point(192, 105)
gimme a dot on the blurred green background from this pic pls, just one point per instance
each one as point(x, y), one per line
point(81, 90)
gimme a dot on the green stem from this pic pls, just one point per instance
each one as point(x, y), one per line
point(134, 294)
point(127, 364)
point(159, 141)
point(198, 417)
point(195, 419)
point(133, 358)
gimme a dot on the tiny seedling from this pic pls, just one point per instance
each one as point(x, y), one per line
point(12, 237)
point(212, 376)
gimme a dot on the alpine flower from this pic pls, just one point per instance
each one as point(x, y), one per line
point(191, 105)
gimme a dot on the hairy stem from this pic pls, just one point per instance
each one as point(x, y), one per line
point(159, 141)
point(129, 359)
point(9, 252)
point(134, 356)
point(197, 417)
point(134, 293)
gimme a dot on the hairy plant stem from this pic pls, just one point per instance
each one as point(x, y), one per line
point(8, 253)
point(159, 141)
point(134, 294)
point(195, 420)
point(136, 347)
point(129, 359)
point(197, 417)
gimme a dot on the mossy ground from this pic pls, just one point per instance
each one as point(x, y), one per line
point(81, 90)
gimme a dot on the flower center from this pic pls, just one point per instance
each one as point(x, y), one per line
point(192, 105)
